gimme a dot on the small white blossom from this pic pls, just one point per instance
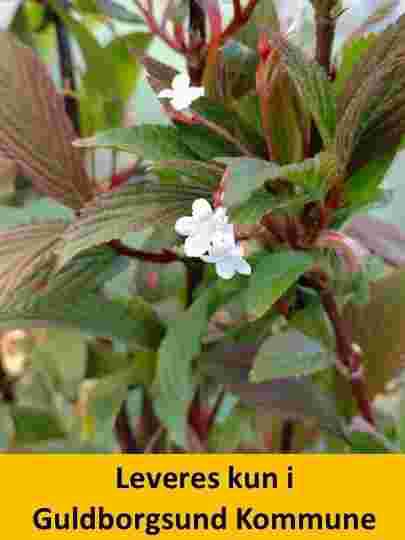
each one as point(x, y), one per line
point(227, 254)
point(8, 10)
point(200, 227)
point(290, 14)
point(212, 238)
point(182, 94)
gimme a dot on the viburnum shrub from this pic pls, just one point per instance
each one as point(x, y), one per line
point(253, 319)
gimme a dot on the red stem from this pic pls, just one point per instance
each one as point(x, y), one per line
point(240, 18)
point(164, 257)
point(348, 354)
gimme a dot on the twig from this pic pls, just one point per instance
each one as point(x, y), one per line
point(164, 257)
point(348, 352)
point(287, 436)
point(197, 38)
point(66, 68)
point(325, 35)
point(240, 18)
point(325, 25)
point(159, 29)
point(124, 432)
point(149, 448)
point(195, 273)
point(150, 428)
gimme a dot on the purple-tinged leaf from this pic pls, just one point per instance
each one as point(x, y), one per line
point(34, 128)
point(130, 209)
point(26, 256)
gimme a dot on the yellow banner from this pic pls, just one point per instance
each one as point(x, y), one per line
point(229, 496)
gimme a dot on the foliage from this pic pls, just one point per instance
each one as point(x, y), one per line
point(112, 339)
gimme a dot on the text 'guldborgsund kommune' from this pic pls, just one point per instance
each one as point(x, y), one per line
point(239, 518)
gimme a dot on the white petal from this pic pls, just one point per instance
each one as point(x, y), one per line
point(201, 209)
point(185, 226)
point(196, 245)
point(181, 83)
point(222, 244)
point(211, 258)
point(167, 93)
point(243, 267)
point(237, 251)
point(180, 102)
point(220, 215)
point(195, 92)
point(225, 268)
point(228, 232)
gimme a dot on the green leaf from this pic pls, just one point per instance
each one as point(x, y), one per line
point(98, 109)
point(208, 173)
point(362, 187)
point(85, 274)
point(262, 201)
point(204, 143)
point(101, 71)
point(26, 256)
point(312, 320)
point(369, 442)
point(35, 425)
point(313, 85)
point(288, 355)
point(63, 356)
point(384, 46)
point(111, 9)
point(6, 427)
point(157, 282)
point(152, 142)
point(92, 314)
point(284, 116)
point(371, 110)
point(131, 208)
point(294, 398)
point(230, 119)
point(228, 435)
point(378, 328)
point(237, 65)
point(274, 274)
point(264, 16)
point(104, 360)
point(373, 269)
point(34, 128)
point(180, 346)
point(104, 402)
point(313, 174)
point(258, 204)
point(121, 49)
point(148, 329)
point(243, 176)
point(352, 54)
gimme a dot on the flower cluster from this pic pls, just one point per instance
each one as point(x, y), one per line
point(212, 238)
point(182, 93)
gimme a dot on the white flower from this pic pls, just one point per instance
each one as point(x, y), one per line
point(8, 10)
point(200, 227)
point(227, 254)
point(212, 238)
point(182, 94)
point(290, 14)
